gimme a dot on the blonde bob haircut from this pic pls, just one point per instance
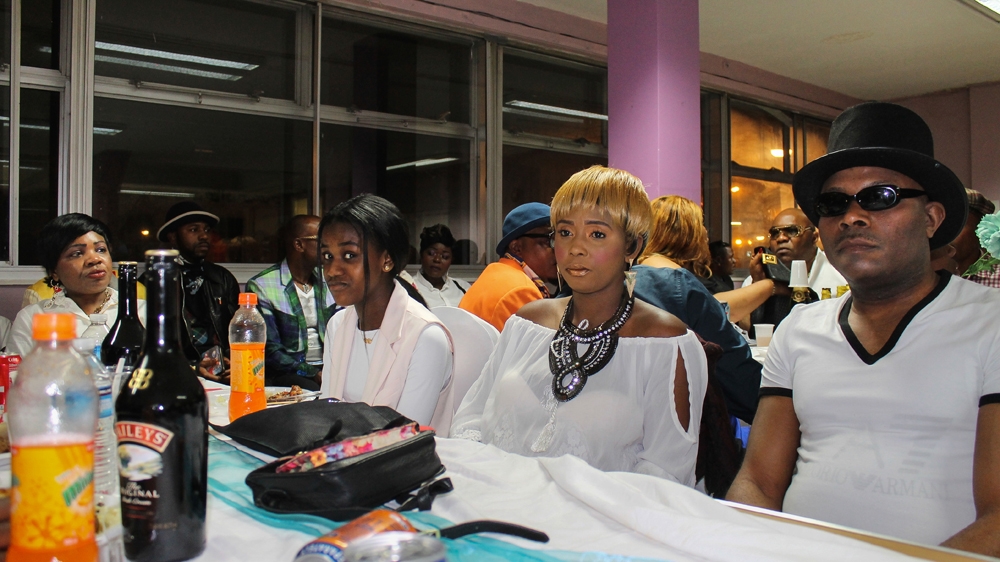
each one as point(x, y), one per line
point(616, 192)
point(679, 234)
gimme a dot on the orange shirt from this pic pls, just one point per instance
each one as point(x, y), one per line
point(500, 292)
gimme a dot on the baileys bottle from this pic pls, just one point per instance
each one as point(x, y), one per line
point(162, 429)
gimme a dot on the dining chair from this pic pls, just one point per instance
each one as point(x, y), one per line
point(474, 339)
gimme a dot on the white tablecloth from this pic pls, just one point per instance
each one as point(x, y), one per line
point(582, 509)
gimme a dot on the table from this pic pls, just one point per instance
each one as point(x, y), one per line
point(589, 515)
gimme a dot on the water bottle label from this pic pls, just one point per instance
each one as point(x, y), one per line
point(97, 351)
point(107, 406)
point(53, 494)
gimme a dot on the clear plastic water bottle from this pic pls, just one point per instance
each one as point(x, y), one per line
point(53, 414)
point(98, 330)
point(247, 336)
point(107, 494)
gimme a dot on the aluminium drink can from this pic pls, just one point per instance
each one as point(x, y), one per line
point(396, 547)
point(331, 546)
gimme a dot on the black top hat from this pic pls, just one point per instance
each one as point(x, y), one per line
point(890, 136)
point(183, 213)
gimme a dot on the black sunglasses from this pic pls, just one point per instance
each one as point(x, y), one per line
point(874, 198)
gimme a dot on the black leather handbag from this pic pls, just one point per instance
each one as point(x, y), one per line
point(774, 269)
point(406, 472)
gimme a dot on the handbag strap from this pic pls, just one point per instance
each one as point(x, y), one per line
point(423, 497)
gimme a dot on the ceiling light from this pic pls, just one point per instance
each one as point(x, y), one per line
point(734, 189)
point(168, 68)
point(990, 8)
point(760, 237)
point(144, 232)
point(153, 53)
point(421, 163)
point(777, 152)
point(738, 242)
point(736, 223)
point(554, 109)
point(157, 193)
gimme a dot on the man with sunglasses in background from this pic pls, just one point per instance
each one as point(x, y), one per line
point(527, 263)
point(296, 305)
point(792, 237)
point(881, 410)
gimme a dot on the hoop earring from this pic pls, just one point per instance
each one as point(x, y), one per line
point(629, 278)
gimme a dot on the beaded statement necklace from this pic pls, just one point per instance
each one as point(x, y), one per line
point(569, 370)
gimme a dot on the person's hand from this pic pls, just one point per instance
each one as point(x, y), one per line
point(782, 290)
point(207, 366)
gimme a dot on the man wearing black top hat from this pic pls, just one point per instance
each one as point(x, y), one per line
point(211, 293)
point(881, 410)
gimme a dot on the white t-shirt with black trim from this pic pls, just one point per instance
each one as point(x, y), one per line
point(888, 439)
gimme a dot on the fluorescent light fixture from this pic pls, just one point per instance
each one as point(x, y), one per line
point(168, 68)
point(554, 109)
point(32, 168)
point(153, 53)
point(536, 114)
point(992, 5)
point(777, 152)
point(736, 223)
point(759, 237)
point(106, 131)
point(157, 193)
point(421, 163)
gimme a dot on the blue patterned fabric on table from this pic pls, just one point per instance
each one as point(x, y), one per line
point(227, 471)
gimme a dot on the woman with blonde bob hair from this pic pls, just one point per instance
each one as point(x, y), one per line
point(559, 361)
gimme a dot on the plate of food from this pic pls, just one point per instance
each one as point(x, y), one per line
point(280, 395)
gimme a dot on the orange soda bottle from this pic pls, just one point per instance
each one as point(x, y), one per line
point(52, 419)
point(247, 336)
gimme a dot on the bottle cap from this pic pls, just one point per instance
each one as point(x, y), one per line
point(53, 327)
point(98, 318)
point(248, 299)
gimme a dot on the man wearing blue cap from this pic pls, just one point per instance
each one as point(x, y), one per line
point(526, 263)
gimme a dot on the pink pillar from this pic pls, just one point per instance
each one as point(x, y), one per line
point(654, 102)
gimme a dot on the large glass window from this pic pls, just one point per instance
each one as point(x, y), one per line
point(5, 32)
point(427, 177)
point(253, 172)
point(38, 168)
point(555, 124)
point(5, 172)
point(40, 33)
point(223, 45)
point(373, 69)
point(761, 182)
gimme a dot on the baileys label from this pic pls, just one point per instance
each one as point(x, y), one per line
point(152, 436)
